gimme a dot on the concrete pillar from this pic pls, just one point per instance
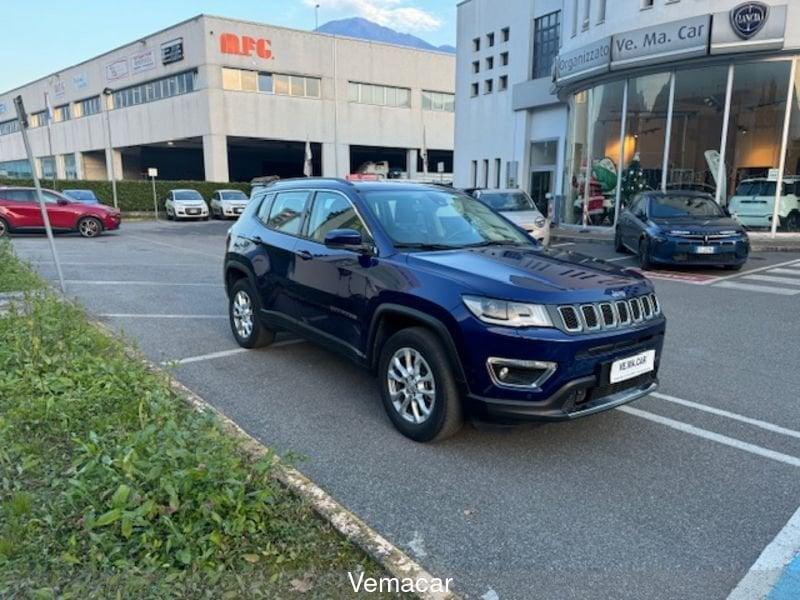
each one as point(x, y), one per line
point(113, 158)
point(79, 173)
point(329, 160)
point(61, 172)
point(215, 158)
point(411, 159)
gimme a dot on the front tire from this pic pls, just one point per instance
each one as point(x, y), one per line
point(418, 389)
point(243, 310)
point(89, 227)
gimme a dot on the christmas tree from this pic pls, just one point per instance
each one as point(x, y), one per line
point(633, 181)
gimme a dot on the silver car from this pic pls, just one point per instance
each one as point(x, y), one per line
point(516, 206)
point(186, 204)
point(228, 204)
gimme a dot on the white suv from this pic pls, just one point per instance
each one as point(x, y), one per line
point(754, 203)
point(186, 204)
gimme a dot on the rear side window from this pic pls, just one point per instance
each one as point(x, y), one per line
point(17, 196)
point(332, 211)
point(746, 188)
point(263, 208)
point(286, 214)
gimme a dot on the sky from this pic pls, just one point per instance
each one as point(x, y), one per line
point(54, 34)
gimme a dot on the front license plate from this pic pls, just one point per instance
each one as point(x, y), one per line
point(633, 366)
point(192, 211)
point(706, 249)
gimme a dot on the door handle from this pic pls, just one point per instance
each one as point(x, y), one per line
point(305, 255)
point(256, 239)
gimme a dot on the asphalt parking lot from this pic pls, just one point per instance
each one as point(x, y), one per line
point(674, 496)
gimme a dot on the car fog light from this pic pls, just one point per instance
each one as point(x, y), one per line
point(503, 373)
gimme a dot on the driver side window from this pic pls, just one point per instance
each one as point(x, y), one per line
point(332, 211)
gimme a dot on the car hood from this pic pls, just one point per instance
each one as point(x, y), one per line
point(523, 218)
point(533, 274)
point(697, 226)
point(190, 202)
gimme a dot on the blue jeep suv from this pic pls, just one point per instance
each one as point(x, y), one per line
point(454, 307)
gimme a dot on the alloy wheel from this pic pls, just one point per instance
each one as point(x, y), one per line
point(89, 228)
point(412, 387)
point(243, 314)
point(3, 228)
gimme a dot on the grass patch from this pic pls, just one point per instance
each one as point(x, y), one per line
point(14, 276)
point(112, 487)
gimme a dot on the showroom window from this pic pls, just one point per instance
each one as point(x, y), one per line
point(792, 161)
point(545, 43)
point(380, 95)
point(575, 178)
point(70, 166)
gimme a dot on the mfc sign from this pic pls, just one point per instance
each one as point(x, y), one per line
point(230, 43)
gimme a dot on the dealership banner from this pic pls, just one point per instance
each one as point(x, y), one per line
point(584, 61)
point(749, 27)
point(664, 42)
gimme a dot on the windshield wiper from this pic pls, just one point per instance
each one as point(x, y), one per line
point(495, 243)
point(421, 246)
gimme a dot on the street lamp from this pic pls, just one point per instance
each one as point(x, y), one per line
point(109, 149)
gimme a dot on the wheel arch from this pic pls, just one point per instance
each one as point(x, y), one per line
point(236, 271)
point(391, 318)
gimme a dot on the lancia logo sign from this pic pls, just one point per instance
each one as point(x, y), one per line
point(747, 19)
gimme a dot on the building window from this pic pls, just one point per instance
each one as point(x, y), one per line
point(497, 168)
point(70, 167)
point(15, 169)
point(158, 89)
point(476, 66)
point(476, 44)
point(8, 127)
point(587, 11)
point(647, 4)
point(574, 18)
point(488, 86)
point(380, 95)
point(601, 12)
point(473, 173)
point(505, 33)
point(61, 113)
point(485, 173)
point(47, 167)
point(439, 101)
point(504, 59)
point(545, 43)
point(490, 39)
point(37, 119)
point(474, 90)
point(87, 107)
point(502, 83)
point(489, 63)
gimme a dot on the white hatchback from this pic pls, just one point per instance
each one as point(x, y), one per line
point(186, 204)
point(516, 206)
point(228, 204)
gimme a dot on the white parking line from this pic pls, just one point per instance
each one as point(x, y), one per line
point(735, 275)
point(619, 258)
point(559, 245)
point(714, 437)
point(157, 316)
point(767, 289)
point(773, 279)
point(219, 255)
point(793, 271)
point(226, 353)
point(729, 415)
point(765, 572)
point(156, 283)
point(120, 264)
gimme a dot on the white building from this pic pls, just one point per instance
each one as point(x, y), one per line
point(660, 94)
point(221, 99)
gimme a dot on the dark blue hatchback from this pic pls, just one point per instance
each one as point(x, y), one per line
point(681, 228)
point(454, 307)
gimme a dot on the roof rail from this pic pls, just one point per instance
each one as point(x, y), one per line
point(266, 183)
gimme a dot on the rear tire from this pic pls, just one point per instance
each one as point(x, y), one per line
point(90, 227)
point(644, 254)
point(425, 403)
point(3, 228)
point(244, 308)
point(793, 221)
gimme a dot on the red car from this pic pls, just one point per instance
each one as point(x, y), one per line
point(19, 211)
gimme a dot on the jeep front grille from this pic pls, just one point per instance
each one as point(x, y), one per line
point(608, 315)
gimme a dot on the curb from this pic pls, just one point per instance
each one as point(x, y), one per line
point(755, 246)
point(396, 562)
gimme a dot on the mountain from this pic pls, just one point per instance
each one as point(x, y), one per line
point(365, 29)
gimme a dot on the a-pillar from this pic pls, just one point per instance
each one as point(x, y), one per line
point(215, 158)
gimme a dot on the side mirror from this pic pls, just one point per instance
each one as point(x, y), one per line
point(344, 238)
point(641, 215)
point(726, 211)
point(62, 202)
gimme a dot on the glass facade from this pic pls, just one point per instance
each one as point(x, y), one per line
point(546, 35)
point(381, 95)
point(667, 130)
point(167, 87)
point(440, 101)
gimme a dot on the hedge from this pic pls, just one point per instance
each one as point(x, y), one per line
point(133, 195)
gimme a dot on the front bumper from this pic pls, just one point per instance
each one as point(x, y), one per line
point(191, 213)
point(678, 251)
point(579, 385)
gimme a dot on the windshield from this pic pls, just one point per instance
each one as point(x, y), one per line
point(188, 195)
point(440, 219)
point(81, 195)
point(235, 195)
point(667, 207)
point(508, 201)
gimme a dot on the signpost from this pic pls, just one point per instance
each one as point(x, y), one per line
point(152, 173)
point(22, 116)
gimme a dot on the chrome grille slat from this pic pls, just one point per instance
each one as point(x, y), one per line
point(601, 316)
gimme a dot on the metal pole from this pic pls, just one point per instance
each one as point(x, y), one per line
point(155, 199)
point(623, 130)
point(23, 128)
point(668, 133)
point(721, 172)
point(49, 114)
point(316, 17)
point(590, 100)
point(110, 149)
point(784, 141)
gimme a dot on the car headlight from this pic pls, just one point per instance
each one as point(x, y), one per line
point(680, 232)
point(539, 222)
point(509, 314)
